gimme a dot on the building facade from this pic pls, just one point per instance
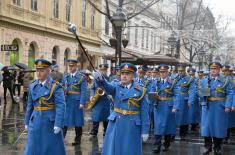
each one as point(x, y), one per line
point(39, 28)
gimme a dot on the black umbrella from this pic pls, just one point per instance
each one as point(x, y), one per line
point(12, 68)
point(30, 70)
point(4, 68)
point(21, 65)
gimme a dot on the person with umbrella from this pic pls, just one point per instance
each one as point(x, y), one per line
point(7, 83)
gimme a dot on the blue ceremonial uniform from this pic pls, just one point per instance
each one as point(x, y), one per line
point(46, 107)
point(164, 119)
point(124, 130)
point(186, 86)
point(194, 110)
point(214, 119)
point(101, 109)
point(232, 115)
point(75, 88)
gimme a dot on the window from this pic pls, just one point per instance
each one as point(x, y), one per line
point(136, 34)
point(56, 9)
point(155, 43)
point(106, 28)
point(34, 5)
point(142, 43)
point(128, 31)
point(147, 39)
point(84, 6)
point(68, 10)
point(151, 41)
point(92, 18)
point(16, 2)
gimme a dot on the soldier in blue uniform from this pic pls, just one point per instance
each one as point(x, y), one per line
point(129, 119)
point(75, 87)
point(194, 110)
point(231, 116)
point(186, 85)
point(44, 118)
point(101, 109)
point(216, 101)
point(155, 73)
point(164, 107)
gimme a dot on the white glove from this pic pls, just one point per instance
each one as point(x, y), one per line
point(57, 130)
point(145, 137)
point(26, 127)
point(98, 76)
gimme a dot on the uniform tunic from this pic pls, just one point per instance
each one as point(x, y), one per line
point(75, 88)
point(41, 137)
point(214, 119)
point(101, 109)
point(123, 134)
point(186, 86)
point(164, 118)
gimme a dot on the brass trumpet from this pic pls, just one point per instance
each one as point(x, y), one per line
point(98, 93)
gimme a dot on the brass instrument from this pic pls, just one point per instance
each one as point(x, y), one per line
point(98, 93)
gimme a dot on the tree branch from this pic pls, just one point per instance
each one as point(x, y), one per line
point(100, 11)
point(145, 8)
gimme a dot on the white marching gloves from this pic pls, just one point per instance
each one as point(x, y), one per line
point(57, 130)
point(145, 137)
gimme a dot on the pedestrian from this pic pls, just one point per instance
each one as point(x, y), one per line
point(44, 116)
point(75, 87)
point(28, 77)
point(7, 84)
point(101, 108)
point(165, 105)
point(129, 120)
point(216, 101)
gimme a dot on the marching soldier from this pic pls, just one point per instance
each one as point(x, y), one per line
point(75, 86)
point(164, 107)
point(194, 110)
point(129, 119)
point(155, 73)
point(45, 114)
point(216, 100)
point(186, 85)
point(101, 109)
point(231, 116)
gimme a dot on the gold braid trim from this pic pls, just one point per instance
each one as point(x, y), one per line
point(220, 89)
point(74, 85)
point(44, 100)
point(169, 91)
point(186, 85)
point(134, 101)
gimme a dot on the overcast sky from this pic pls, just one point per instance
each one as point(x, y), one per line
point(225, 8)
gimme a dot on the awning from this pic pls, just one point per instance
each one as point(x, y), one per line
point(139, 59)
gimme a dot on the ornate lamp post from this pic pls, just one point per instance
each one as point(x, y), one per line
point(172, 42)
point(119, 18)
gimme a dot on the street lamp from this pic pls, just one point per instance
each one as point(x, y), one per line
point(172, 42)
point(119, 18)
point(201, 54)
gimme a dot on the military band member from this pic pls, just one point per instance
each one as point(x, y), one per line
point(44, 117)
point(186, 85)
point(194, 110)
point(129, 119)
point(231, 116)
point(155, 73)
point(164, 108)
point(216, 103)
point(75, 87)
point(101, 108)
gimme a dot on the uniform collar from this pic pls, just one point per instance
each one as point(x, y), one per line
point(73, 74)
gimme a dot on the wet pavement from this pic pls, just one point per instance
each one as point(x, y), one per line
point(13, 139)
